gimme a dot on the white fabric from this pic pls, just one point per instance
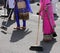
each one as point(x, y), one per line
point(11, 3)
point(54, 3)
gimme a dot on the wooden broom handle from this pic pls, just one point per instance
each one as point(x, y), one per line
point(38, 30)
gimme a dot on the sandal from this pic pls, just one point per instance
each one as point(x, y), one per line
point(47, 40)
point(23, 28)
point(18, 28)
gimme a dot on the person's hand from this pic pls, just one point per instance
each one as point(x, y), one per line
point(37, 13)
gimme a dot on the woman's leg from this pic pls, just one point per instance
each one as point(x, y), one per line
point(17, 21)
point(10, 14)
point(47, 29)
point(17, 18)
point(18, 24)
point(24, 23)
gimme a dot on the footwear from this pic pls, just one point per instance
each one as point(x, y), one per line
point(47, 38)
point(23, 28)
point(54, 34)
point(18, 28)
point(55, 15)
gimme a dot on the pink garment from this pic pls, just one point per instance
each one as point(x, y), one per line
point(46, 12)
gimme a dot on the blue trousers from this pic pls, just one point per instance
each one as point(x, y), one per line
point(18, 23)
point(17, 18)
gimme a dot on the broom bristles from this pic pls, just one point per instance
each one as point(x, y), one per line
point(3, 27)
point(4, 16)
point(4, 32)
point(36, 48)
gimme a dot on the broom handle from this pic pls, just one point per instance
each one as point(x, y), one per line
point(8, 17)
point(38, 30)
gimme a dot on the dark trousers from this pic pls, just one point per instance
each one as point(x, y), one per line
point(59, 0)
point(5, 3)
point(9, 12)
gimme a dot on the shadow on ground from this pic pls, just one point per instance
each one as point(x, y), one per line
point(56, 18)
point(9, 23)
point(47, 46)
point(19, 34)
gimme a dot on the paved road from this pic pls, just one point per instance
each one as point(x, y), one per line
point(20, 41)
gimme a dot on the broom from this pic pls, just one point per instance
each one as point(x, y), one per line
point(3, 26)
point(37, 48)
